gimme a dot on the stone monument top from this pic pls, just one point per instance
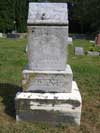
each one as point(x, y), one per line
point(47, 13)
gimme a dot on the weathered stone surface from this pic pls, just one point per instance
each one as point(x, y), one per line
point(47, 13)
point(48, 81)
point(54, 108)
point(47, 47)
point(79, 51)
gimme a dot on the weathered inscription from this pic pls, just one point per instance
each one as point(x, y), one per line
point(48, 82)
point(47, 48)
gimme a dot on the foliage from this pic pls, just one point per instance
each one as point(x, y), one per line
point(91, 49)
point(83, 15)
point(86, 13)
point(21, 15)
point(7, 15)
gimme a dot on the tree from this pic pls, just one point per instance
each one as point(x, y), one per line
point(7, 15)
point(21, 15)
point(86, 13)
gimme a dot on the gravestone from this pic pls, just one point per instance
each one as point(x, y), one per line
point(79, 51)
point(98, 40)
point(49, 93)
point(1, 35)
point(93, 53)
point(70, 40)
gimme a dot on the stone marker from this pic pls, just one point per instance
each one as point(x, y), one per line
point(91, 41)
point(1, 35)
point(79, 51)
point(70, 40)
point(94, 53)
point(49, 94)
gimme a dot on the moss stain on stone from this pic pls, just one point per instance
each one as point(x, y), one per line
point(32, 76)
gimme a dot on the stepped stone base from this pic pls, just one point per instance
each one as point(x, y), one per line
point(48, 81)
point(53, 108)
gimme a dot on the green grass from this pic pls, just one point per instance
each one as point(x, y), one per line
point(86, 70)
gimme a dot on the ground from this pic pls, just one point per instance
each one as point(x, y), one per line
point(86, 70)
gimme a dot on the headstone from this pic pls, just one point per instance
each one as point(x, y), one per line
point(79, 51)
point(26, 49)
point(91, 41)
point(1, 35)
point(98, 40)
point(94, 53)
point(49, 94)
point(70, 40)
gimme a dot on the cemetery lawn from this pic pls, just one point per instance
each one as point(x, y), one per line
point(86, 71)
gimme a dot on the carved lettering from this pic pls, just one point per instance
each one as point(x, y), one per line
point(49, 82)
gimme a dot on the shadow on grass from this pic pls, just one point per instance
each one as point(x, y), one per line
point(8, 92)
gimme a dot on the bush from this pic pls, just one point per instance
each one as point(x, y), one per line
point(91, 49)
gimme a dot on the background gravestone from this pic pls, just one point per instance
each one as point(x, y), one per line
point(79, 51)
point(98, 40)
point(1, 35)
point(93, 53)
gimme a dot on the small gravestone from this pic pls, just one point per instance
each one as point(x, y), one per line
point(49, 94)
point(1, 35)
point(79, 51)
point(13, 36)
point(94, 53)
point(70, 40)
point(91, 41)
point(98, 40)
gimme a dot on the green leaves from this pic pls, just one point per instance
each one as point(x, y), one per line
point(13, 15)
point(7, 15)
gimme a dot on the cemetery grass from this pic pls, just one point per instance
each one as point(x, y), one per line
point(86, 71)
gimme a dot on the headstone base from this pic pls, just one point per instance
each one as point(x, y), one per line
point(48, 81)
point(52, 108)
